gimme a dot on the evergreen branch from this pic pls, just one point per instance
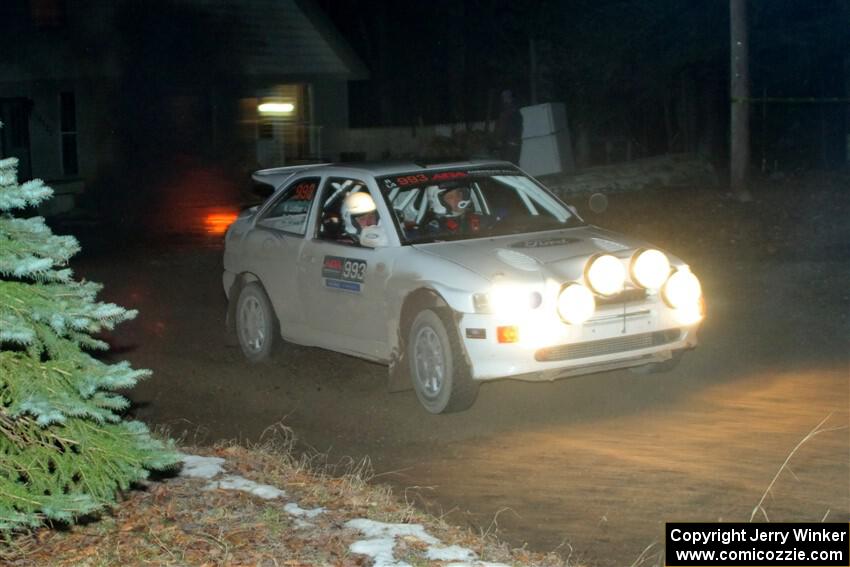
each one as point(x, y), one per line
point(64, 449)
point(29, 194)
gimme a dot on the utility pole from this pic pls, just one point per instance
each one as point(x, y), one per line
point(532, 56)
point(739, 151)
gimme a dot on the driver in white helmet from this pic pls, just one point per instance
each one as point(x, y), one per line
point(452, 208)
point(358, 212)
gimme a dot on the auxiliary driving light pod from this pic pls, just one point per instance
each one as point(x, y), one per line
point(682, 290)
point(605, 274)
point(576, 304)
point(650, 268)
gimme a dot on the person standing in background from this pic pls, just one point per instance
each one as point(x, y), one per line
point(509, 129)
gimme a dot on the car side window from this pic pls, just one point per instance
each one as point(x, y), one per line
point(291, 211)
point(346, 208)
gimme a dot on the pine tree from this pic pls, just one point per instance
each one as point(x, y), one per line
point(64, 448)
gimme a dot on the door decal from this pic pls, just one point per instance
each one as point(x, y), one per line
point(346, 274)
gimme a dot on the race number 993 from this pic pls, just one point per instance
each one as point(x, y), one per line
point(353, 270)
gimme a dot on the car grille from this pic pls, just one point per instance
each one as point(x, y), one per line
point(626, 296)
point(606, 346)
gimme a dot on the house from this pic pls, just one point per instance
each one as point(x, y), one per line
point(88, 87)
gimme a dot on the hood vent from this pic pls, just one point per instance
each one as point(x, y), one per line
point(609, 245)
point(518, 260)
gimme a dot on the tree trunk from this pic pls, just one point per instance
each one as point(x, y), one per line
point(457, 63)
point(845, 143)
point(532, 56)
point(739, 153)
point(668, 122)
point(710, 100)
point(688, 110)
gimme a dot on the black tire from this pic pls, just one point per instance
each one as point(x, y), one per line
point(659, 367)
point(439, 371)
point(256, 325)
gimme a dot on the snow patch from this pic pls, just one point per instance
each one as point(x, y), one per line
point(380, 550)
point(477, 564)
point(381, 536)
point(381, 544)
point(195, 466)
point(450, 553)
point(233, 482)
point(296, 510)
point(371, 528)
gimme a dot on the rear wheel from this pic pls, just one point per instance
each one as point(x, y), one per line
point(441, 376)
point(256, 323)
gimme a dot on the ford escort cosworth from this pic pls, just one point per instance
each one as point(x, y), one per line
point(451, 275)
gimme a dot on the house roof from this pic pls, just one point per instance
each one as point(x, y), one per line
point(285, 37)
point(274, 38)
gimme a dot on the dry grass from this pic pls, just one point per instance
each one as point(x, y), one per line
point(172, 521)
point(817, 430)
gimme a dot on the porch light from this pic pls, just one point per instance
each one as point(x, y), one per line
point(276, 108)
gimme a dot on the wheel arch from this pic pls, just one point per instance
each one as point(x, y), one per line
point(415, 301)
point(239, 282)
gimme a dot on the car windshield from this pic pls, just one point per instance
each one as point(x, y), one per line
point(460, 204)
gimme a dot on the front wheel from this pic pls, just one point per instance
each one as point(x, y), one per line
point(256, 323)
point(440, 374)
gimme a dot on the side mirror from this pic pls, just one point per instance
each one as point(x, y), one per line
point(598, 203)
point(374, 237)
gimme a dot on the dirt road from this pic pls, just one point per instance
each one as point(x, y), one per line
point(592, 466)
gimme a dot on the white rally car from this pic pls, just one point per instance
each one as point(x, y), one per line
point(451, 274)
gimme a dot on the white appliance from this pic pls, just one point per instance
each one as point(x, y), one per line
point(546, 147)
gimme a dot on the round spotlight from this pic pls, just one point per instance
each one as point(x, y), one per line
point(688, 315)
point(576, 304)
point(605, 274)
point(650, 268)
point(682, 289)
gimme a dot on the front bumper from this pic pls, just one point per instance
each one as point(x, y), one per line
point(548, 349)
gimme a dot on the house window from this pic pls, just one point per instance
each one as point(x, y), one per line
point(47, 13)
point(68, 125)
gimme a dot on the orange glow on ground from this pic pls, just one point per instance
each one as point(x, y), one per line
point(217, 223)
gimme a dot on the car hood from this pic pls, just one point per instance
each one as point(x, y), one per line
point(558, 254)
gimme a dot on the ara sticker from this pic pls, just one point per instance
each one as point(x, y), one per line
point(342, 285)
point(445, 175)
point(419, 178)
point(346, 269)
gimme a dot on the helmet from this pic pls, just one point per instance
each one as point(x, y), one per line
point(356, 204)
point(436, 198)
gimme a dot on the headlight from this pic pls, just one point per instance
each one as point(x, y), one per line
point(605, 274)
point(507, 299)
point(682, 290)
point(650, 268)
point(576, 304)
